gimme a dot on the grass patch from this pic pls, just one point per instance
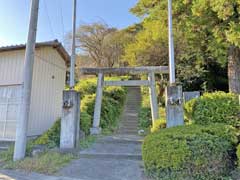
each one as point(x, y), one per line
point(87, 142)
point(46, 163)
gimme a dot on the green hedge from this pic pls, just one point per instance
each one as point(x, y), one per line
point(51, 138)
point(218, 107)
point(144, 115)
point(86, 87)
point(190, 152)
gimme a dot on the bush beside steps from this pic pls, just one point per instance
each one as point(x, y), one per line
point(217, 107)
point(190, 152)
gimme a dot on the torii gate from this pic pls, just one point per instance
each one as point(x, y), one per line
point(101, 83)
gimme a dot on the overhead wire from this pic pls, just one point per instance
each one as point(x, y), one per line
point(62, 21)
point(49, 20)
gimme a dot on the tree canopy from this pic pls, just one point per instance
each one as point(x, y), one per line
point(204, 31)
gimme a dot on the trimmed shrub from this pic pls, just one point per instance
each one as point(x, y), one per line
point(218, 107)
point(190, 152)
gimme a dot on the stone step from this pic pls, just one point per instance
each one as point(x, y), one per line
point(111, 148)
point(135, 120)
point(122, 139)
point(129, 129)
point(130, 114)
point(128, 132)
point(129, 124)
point(114, 147)
point(132, 106)
point(132, 102)
point(111, 156)
point(105, 169)
point(128, 110)
point(133, 132)
point(131, 111)
point(129, 117)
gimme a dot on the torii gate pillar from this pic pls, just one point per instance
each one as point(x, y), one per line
point(98, 105)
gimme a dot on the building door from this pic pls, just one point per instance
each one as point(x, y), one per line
point(10, 98)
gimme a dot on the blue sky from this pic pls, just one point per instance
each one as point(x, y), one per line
point(14, 17)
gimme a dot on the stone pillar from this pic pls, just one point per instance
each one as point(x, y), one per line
point(98, 105)
point(153, 96)
point(187, 96)
point(174, 106)
point(70, 122)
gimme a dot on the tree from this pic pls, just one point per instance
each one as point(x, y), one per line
point(101, 43)
point(150, 46)
point(209, 29)
point(83, 61)
point(219, 19)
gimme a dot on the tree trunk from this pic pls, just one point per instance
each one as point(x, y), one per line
point(234, 69)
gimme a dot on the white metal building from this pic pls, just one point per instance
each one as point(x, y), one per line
point(49, 75)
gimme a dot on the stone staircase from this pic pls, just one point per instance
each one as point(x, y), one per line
point(129, 119)
point(115, 157)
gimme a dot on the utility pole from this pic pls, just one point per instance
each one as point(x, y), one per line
point(22, 124)
point(73, 56)
point(171, 45)
point(70, 120)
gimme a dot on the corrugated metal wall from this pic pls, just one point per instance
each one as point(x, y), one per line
point(48, 84)
point(11, 67)
point(10, 97)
